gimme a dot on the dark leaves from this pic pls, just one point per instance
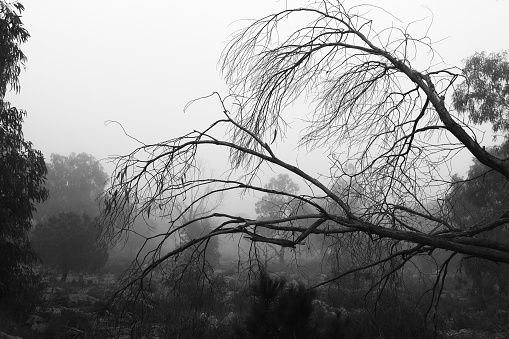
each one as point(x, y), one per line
point(484, 94)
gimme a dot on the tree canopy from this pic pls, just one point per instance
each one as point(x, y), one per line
point(275, 204)
point(484, 95)
point(278, 203)
point(70, 243)
point(382, 121)
point(22, 168)
point(66, 234)
point(75, 183)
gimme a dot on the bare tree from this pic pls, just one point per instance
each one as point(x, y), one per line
point(369, 108)
point(188, 221)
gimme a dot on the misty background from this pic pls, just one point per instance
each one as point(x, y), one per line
point(102, 77)
point(141, 63)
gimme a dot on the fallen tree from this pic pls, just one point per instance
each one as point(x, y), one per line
point(386, 126)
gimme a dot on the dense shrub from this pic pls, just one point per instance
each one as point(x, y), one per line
point(69, 242)
point(24, 296)
point(281, 309)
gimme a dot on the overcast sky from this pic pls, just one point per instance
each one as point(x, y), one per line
point(140, 62)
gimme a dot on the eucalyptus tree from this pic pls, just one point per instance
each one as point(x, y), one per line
point(74, 183)
point(274, 206)
point(69, 242)
point(22, 169)
point(482, 197)
point(373, 105)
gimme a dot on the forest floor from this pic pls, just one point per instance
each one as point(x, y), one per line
point(77, 309)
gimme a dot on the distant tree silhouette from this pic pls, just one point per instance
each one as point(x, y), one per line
point(70, 243)
point(75, 183)
point(275, 205)
point(482, 197)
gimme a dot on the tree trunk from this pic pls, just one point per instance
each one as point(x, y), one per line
point(281, 255)
point(65, 272)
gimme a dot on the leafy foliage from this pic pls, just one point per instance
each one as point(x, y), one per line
point(279, 309)
point(482, 198)
point(275, 203)
point(479, 199)
point(74, 183)
point(70, 242)
point(484, 94)
point(12, 34)
point(22, 168)
point(63, 238)
point(282, 309)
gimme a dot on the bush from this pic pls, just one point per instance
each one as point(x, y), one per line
point(288, 310)
point(393, 317)
point(69, 242)
point(26, 294)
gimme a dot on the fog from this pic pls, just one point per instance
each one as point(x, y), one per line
point(105, 77)
point(140, 64)
point(102, 76)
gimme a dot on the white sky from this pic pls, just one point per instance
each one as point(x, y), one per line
point(140, 62)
